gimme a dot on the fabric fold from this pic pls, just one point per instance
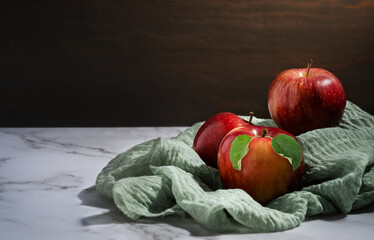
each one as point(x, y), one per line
point(166, 176)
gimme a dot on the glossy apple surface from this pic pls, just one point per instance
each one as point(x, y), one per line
point(211, 133)
point(299, 102)
point(264, 174)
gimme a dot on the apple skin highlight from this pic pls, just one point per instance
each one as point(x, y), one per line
point(299, 103)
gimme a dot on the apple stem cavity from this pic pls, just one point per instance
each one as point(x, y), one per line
point(264, 131)
point(308, 68)
point(250, 117)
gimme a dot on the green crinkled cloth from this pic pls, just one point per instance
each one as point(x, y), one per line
point(166, 176)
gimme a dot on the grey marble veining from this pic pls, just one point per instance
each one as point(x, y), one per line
point(47, 178)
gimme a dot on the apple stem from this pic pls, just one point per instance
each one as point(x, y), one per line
point(250, 117)
point(264, 131)
point(308, 68)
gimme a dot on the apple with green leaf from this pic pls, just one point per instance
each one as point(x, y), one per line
point(266, 162)
point(211, 133)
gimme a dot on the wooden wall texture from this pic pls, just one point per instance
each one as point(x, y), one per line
point(171, 62)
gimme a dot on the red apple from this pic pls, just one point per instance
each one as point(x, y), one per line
point(300, 100)
point(258, 160)
point(211, 133)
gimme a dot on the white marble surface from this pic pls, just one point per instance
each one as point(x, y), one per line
point(47, 179)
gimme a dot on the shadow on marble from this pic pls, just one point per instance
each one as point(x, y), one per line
point(340, 216)
point(91, 197)
point(367, 209)
point(326, 217)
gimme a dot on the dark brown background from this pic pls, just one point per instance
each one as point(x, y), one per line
point(171, 62)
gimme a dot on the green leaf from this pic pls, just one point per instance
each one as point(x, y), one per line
point(287, 147)
point(239, 148)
